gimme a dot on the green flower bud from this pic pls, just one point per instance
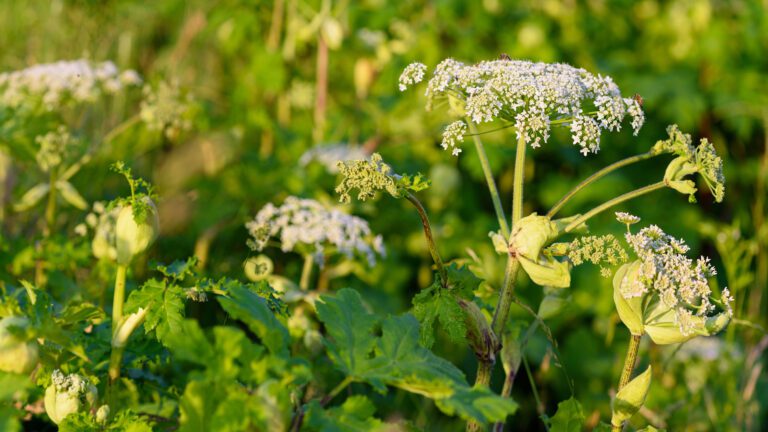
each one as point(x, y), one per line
point(134, 237)
point(258, 268)
point(529, 236)
point(67, 395)
point(102, 414)
point(631, 398)
point(16, 354)
point(479, 334)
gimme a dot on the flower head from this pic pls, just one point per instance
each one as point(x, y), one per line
point(55, 84)
point(307, 224)
point(412, 74)
point(452, 135)
point(599, 250)
point(371, 176)
point(534, 97)
point(665, 293)
point(701, 159)
point(165, 108)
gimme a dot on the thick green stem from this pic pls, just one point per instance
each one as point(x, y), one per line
point(50, 208)
point(629, 360)
point(430, 238)
point(629, 365)
point(119, 296)
point(306, 272)
point(517, 191)
point(495, 197)
point(608, 204)
point(596, 176)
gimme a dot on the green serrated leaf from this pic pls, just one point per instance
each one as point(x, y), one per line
point(568, 418)
point(247, 306)
point(355, 414)
point(477, 403)
point(397, 359)
point(350, 326)
point(178, 270)
point(165, 306)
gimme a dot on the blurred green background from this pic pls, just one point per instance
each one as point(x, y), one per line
point(269, 80)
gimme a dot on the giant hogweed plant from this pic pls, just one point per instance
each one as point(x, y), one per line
point(661, 292)
point(298, 351)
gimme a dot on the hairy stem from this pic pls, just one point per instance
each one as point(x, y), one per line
point(119, 296)
point(596, 176)
point(501, 314)
point(495, 197)
point(629, 365)
point(509, 381)
point(430, 238)
point(608, 204)
point(306, 273)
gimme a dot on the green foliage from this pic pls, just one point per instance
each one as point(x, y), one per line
point(397, 359)
point(568, 418)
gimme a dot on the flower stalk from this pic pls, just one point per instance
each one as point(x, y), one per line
point(495, 197)
point(119, 296)
point(597, 176)
point(430, 238)
point(610, 203)
point(629, 366)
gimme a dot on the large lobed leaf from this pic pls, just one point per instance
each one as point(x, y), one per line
point(397, 359)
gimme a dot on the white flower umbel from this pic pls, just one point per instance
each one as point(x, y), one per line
point(55, 84)
point(412, 74)
point(679, 282)
point(533, 97)
point(307, 224)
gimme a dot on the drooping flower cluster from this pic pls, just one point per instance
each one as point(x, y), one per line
point(412, 74)
point(330, 156)
point(665, 271)
point(305, 223)
point(452, 135)
point(55, 84)
point(166, 109)
point(533, 96)
point(598, 250)
point(702, 159)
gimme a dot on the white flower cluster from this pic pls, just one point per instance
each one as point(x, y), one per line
point(452, 135)
point(55, 147)
point(166, 109)
point(534, 96)
point(412, 74)
point(679, 283)
point(73, 384)
point(626, 218)
point(55, 84)
point(305, 222)
point(329, 156)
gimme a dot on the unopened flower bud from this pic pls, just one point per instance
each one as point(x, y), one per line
point(479, 334)
point(16, 354)
point(631, 398)
point(134, 237)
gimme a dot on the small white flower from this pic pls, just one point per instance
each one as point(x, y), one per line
point(533, 96)
point(626, 218)
point(412, 74)
point(307, 224)
point(453, 135)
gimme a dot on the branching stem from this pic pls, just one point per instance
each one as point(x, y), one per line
point(608, 204)
point(430, 238)
point(495, 197)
